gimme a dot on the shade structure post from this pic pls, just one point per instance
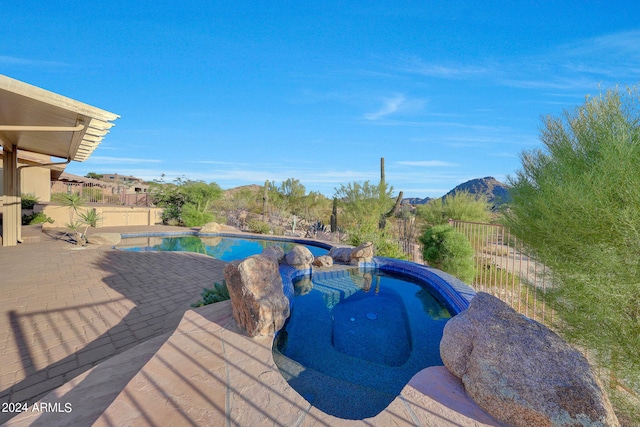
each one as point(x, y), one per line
point(11, 209)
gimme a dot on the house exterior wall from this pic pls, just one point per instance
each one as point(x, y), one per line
point(34, 180)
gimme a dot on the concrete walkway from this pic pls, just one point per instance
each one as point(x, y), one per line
point(104, 337)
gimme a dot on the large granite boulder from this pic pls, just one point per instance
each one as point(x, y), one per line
point(257, 297)
point(363, 253)
point(275, 253)
point(299, 257)
point(521, 372)
point(341, 254)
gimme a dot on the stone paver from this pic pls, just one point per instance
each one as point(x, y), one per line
point(207, 372)
point(64, 309)
point(103, 337)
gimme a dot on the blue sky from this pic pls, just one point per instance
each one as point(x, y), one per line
point(242, 92)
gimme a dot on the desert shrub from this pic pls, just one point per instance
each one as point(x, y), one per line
point(383, 244)
point(36, 218)
point(257, 226)
point(462, 206)
point(218, 293)
point(29, 201)
point(196, 196)
point(194, 217)
point(448, 250)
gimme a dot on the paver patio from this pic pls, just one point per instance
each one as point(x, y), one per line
point(63, 309)
point(112, 334)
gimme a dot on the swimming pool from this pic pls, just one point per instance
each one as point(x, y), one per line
point(223, 247)
point(355, 337)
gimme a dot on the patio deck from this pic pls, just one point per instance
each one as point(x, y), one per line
point(112, 334)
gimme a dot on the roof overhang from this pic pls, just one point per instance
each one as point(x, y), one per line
point(40, 121)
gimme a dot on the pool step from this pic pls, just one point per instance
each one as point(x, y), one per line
point(339, 285)
point(332, 395)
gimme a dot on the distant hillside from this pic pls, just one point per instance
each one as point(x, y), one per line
point(497, 193)
point(416, 200)
point(253, 188)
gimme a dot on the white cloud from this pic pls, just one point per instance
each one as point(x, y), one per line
point(390, 106)
point(13, 60)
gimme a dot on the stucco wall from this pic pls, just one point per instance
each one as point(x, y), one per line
point(34, 180)
point(111, 216)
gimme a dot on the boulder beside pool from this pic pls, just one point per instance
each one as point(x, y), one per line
point(299, 257)
point(257, 298)
point(521, 372)
point(362, 253)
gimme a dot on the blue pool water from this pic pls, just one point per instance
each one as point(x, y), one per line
point(219, 247)
point(356, 337)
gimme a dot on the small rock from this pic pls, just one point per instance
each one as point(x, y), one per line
point(363, 253)
point(214, 227)
point(323, 261)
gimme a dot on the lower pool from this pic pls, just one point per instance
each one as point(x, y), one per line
point(356, 337)
point(224, 248)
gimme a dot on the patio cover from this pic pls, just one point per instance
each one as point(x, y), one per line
point(36, 120)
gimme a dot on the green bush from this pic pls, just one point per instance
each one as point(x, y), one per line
point(257, 226)
point(36, 218)
point(461, 206)
point(193, 217)
point(383, 244)
point(218, 293)
point(29, 201)
point(448, 250)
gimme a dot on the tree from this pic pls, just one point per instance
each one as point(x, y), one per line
point(363, 205)
point(94, 175)
point(462, 206)
point(576, 206)
point(185, 201)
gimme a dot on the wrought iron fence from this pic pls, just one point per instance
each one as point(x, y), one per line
point(505, 271)
point(101, 194)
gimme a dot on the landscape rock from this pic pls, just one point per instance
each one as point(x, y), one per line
point(521, 372)
point(323, 261)
point(104, 239)
point(214, 227)
point(299, 257)
point(341, 254)
point(363, 253)
point(257, 297)
point(275, 253)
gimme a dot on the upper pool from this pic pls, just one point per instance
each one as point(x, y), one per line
point(224, 248)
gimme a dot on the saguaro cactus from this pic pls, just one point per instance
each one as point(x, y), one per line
point(383, 193)
point(334, 216)
point(265, 201)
